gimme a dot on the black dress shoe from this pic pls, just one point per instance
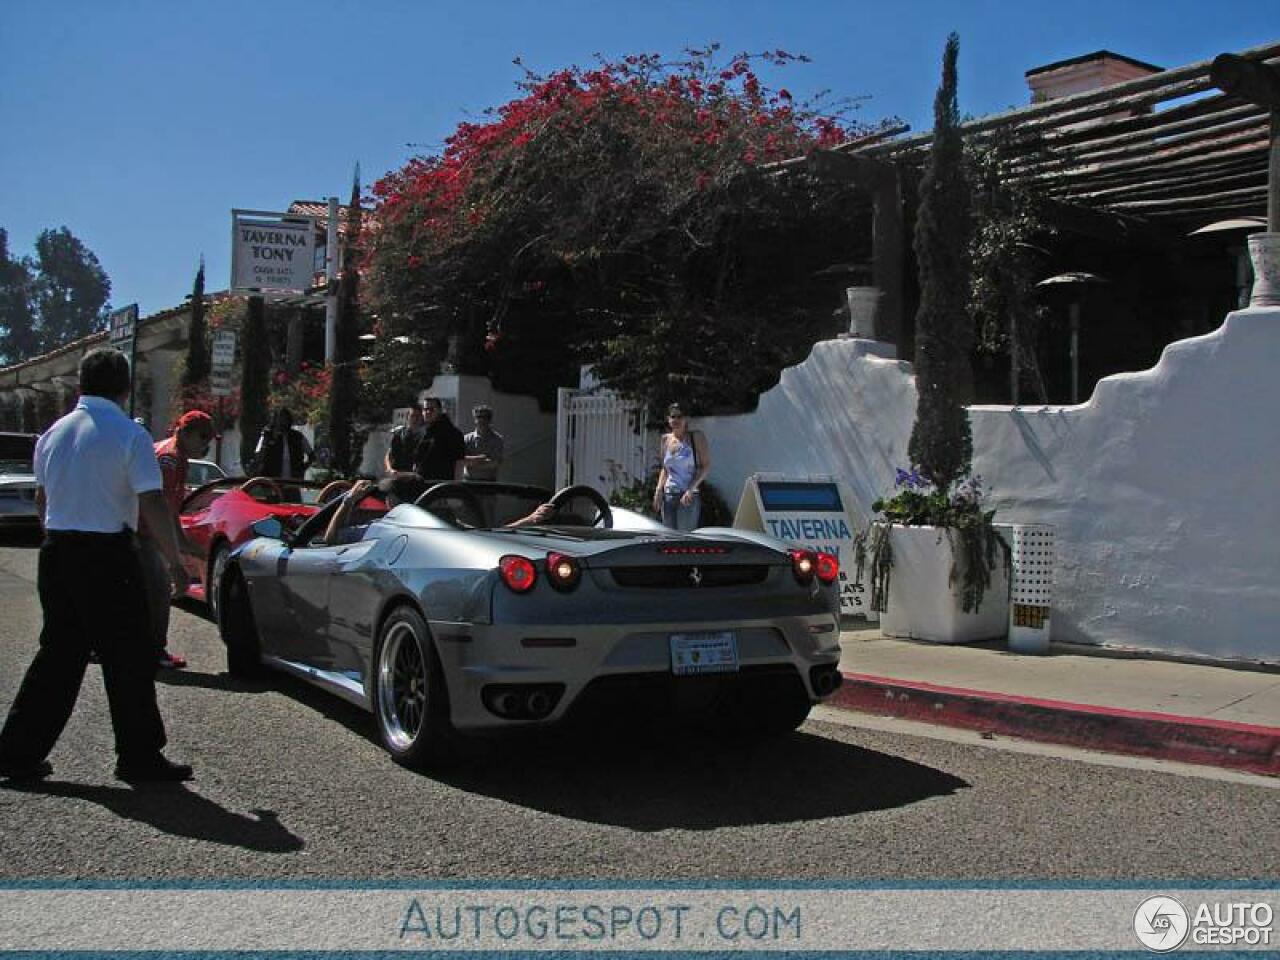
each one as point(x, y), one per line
point(25, 771)
point(153, 770)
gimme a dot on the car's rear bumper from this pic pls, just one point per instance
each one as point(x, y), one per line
point(585, 667)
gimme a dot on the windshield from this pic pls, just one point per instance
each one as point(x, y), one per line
point(469, 505)
point(272, 490)
point(487, 505)
point(199, 473)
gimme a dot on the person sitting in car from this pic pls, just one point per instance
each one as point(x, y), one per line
point(402, 488)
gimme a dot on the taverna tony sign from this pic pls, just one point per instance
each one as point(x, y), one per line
point(272, 252)
point(812, 513)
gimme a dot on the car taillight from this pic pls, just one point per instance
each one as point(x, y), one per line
point(563, 572)
point(518, 573)
point(802, 564)
point(828, 567)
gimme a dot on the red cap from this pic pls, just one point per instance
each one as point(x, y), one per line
point(194, 418)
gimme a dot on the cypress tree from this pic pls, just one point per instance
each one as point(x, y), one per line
point(197, 365)
point(941, 443)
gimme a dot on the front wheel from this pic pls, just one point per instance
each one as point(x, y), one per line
point(410, 698)
point(239, 631)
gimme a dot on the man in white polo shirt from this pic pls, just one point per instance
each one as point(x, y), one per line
point(96, 470)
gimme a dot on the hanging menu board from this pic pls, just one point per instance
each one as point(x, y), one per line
point(811, 513)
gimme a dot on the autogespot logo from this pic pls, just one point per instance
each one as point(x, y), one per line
point(1161, 923)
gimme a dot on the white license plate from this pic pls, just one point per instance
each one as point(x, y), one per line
point(694, 653)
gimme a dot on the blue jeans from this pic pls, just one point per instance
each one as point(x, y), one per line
point(676, 515)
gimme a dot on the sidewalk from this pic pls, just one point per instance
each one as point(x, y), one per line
point(1115, 702)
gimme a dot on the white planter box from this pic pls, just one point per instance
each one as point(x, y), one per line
point(922, 605)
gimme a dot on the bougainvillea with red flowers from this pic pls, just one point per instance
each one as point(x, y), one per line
point(221, 310)
point(305, 394)
point(630, 216)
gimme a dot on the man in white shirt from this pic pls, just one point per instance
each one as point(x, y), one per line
point(484, 446)
point(96, 471)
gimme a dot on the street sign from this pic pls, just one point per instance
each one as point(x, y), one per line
point(222, 356)
point(122, 333)
point(123, 324)
point(271, 252)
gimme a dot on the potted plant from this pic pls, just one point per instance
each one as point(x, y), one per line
point(939, 569)
point(935, 537)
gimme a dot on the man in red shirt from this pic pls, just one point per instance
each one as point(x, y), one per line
point(191, 437)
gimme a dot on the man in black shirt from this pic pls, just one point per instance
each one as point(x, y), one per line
point(404, 443)
point(282, 451)
point(440, 453)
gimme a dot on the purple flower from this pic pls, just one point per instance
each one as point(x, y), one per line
point(910, 479)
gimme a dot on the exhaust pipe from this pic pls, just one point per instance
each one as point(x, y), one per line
point(507, 704)
point(538, 704)
point(826, 681)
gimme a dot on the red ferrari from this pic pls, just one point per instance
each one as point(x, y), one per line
point(217, 517)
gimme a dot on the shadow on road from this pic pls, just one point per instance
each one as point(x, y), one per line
point(21, 539)
point(667, 777)
point(176, 810)
point(196, 608)
point(646, 785)
point(211, 681)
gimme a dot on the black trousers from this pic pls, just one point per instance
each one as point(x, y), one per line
point(159, 584)
point(93, 597)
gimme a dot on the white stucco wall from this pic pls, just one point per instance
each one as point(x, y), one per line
point(1163, 486)
point(845, 411)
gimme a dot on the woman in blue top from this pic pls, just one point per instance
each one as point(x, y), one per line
point(686, 460)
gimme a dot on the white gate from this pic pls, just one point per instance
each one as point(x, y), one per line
point(602, 440)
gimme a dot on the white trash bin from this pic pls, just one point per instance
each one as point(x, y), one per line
point(1031, 590)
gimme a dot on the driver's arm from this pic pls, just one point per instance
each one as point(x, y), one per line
point(543, 514)
point(340, 516)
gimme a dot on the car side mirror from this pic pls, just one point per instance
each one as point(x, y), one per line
point(270, 527)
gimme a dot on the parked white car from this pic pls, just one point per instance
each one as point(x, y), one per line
point(200, 472)
point(17, 480)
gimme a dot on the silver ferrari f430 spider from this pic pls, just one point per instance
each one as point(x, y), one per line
point(482, 607)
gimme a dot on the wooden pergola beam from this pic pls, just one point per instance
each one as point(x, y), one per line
point(1172, 203)
point(1170, 160)
point(1103, 144)
point(1255, 125)
point(1143, 124)
point(1256, 83)
point(1177, 187)
point(1231, 163)
point(1166, 85)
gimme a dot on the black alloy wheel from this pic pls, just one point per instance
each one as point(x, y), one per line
point(410, 697)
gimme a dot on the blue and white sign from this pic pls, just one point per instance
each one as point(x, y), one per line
point(814, 514)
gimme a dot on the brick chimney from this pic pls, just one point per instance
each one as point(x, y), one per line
point(1101, 68)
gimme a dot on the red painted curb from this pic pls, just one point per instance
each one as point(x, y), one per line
point(1219, 743)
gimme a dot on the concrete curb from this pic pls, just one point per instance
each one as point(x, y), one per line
point(1219, 743)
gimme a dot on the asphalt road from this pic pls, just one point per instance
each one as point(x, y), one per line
point(292, 784)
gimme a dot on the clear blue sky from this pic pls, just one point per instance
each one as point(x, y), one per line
point(140, 124)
